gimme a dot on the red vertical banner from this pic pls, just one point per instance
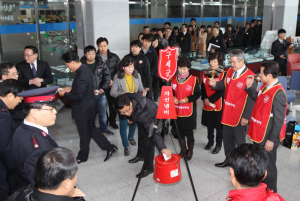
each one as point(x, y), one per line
point(166, 106)
point(167, 63)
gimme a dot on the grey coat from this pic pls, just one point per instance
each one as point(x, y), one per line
point(119, 86)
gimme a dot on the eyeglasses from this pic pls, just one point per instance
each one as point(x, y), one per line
point(52, 109)
point(125, 112)
point(26, 55)
point(233, 62)
point(15, 73)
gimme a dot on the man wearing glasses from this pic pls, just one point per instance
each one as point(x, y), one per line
point(8, 100)
point(32, 138)
point(33, 73)
point(238, 106)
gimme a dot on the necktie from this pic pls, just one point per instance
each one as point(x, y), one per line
point(281, 41)
point(33, 69)
point(235, 74)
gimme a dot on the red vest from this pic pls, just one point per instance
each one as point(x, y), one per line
point(235, 98)
point(182, 91)
point(261, 114)
point(209, 92)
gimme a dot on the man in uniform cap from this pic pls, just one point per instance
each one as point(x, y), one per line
point(8, 100)
point(32, 138)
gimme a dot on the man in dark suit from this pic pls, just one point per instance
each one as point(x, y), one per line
point(279, 51)
point(33, 73)
point(237, 107)
point(248, 33)
point(32, 138)
point(8, 100)
point(217, 24)
point(84, 108)
point(267, 127)
point(184, 39)
point(217, 39)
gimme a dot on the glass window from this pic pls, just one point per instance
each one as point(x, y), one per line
point(250, 13)
point(251, 2)
point(137, 11)
point(227, 1)
point(261, 2)
point(260, 11)
point(239, 16)
point(212, 1)
point(157, 14)
point(239, 2)
point(137, 15)
point(175, 11)
point(193, 11)
point(226, 16)
point(210, 14)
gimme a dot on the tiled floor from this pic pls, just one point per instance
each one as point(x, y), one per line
point(115, 179)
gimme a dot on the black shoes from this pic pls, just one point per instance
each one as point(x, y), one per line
point(216, 150)
point(209, 145)
point(110, 153)
point(224, 164)
point(135, 160)
point(80, 161)
point(114, 125)
point(126, 151)
point(108, 132)
point(145, 173)
point(132, 141)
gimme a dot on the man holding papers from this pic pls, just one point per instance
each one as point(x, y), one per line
point(216, 43)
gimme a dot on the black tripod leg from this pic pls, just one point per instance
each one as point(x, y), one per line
point(143, 168)
point(187, 166)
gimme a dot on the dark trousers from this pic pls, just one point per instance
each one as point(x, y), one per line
point(111, 103)
point(219, 136)
point(189, 134)
point(282, 66)
point(87, 130)
point(271, 179)
point(155, 87)
point(149, 94)
point(4, 187)
point(143, 145)
point(233, 137)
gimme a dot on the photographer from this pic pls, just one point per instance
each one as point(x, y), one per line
point(142, 111)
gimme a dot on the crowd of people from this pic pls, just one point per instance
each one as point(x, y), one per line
point(130, 87)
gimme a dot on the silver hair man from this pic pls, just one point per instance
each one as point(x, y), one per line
point(237, 53)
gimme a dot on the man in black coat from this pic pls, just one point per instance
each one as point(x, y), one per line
point(112, 62)
point(218, 40)
point(217, 24)
point(279, 51)
point(34, 73)
point(184, 39)
point(141, 63)
point(8, 100)
point(151, 54)
point(142, 111)
point(168, 35)
point(102, 80)
point(32, 138)
point(81, 94)
point(255, 33)
point(248, 33)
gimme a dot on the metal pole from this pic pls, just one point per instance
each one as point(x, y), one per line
point(37, 23)
point(66, 5)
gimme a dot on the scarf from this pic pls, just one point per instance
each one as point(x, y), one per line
point(219, 71)
point(184, 76)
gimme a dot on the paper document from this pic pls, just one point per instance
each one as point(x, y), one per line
point(212, 46)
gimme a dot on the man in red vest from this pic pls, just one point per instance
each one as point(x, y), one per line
point(248, 167)
point(237, 107)
point(268, 119)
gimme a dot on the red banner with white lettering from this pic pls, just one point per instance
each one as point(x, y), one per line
point(166, 106)
point(167, 63)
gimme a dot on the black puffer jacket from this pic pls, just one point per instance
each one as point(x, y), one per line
point(101, 75)
point(144, 114)
point(112, 63)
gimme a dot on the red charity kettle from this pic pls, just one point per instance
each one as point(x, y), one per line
point(167, 172)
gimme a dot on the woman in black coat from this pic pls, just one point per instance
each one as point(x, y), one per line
point(229, 36)
point(239, 36)
point(212, 102)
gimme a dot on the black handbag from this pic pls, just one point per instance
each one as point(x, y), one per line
point(287, 141)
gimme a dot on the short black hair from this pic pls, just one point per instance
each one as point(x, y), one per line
point(281, 31)
point(33, 48)
point(121, 101)
point(148, 37)
point(271, 67)
point(193, 19)
point(190, 26)
point(10, 86)
point(70, 56)
point(28, 106)
point(168, 23)
point(184, 62)
point(216, 55)
point(168, 29)
point(140, 34)
point(145, 27)
point(217, 22)
point(53, 167)
point(126, 61)
point(156, 37)
point(186, 26)
point(229, 25)
point(4, 67)
point(176, 27)
point(209, 26)
point(136, 43)
point(154, 29)
point(253, 20)
point(89, 48)
point(203, 27)
point(160, 30)
point(100, 40)
point(249, 163)
point(216, 28)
